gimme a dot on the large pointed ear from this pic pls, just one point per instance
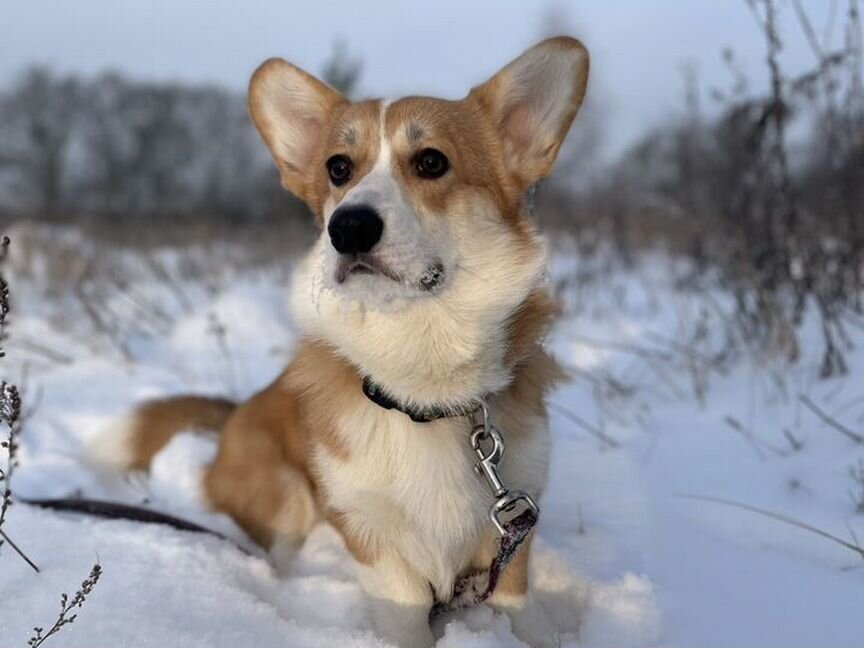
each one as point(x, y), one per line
point(291, 108)
point(533, 101)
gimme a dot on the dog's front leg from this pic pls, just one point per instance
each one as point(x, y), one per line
point(401, 600)
point(513, 597)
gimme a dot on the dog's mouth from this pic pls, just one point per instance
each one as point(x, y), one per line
point(364, 264)
point(369, 264)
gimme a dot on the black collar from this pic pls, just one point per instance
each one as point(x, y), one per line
point(380, 397)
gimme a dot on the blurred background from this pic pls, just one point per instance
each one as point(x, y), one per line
point(728, 133)
point(706, 228)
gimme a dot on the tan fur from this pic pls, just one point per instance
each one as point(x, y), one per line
point(261, 445)
point(529, 326)
point(364, 552)
point(155, 422)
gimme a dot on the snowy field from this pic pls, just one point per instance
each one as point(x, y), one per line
point(659, 410)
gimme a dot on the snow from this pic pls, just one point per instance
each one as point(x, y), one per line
point(623, 559)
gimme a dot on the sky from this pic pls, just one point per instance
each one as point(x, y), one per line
point(638, 47)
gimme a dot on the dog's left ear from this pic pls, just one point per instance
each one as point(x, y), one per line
point(533, 101)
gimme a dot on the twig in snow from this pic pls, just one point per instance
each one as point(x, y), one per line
point(856, 472)
point(603, 380)
point(832, 422)
point(795, 485)
point(736, 425)
point(625, 347)
point(42, 349)
point(580, 530)
point(687, 351)
point(775, 516)
point(219, 331)
point(593, 430)
point(795, 443)
point(852, 533)
point(67, 605)
point(753, 439)
point(7, 540)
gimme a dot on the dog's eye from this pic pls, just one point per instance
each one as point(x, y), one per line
point(339, 167)
point(431, 163)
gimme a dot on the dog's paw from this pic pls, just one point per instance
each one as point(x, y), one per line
point(532, 625)
point(419, 637)
point(405, 626)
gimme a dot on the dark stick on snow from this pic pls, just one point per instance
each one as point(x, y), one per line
point(18, 550)
point(118, 511)
point(593, 430)
point(774, 516)
point(809, 404)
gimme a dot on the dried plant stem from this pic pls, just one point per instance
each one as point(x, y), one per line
point(67, 605)
point(19, 551)
point(832, 422)
point(775, 516)
point(10, 414)
point(593, 430)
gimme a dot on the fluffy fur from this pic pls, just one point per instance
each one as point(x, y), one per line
point(310, 446)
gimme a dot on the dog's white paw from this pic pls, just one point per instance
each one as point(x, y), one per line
point(532, 625)
point(417, 636)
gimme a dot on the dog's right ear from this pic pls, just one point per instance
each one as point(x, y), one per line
point(291, 108)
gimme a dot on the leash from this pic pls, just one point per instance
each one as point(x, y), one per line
point(473, 588)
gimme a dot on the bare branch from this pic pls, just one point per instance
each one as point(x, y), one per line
point(809, 404)
point(774, 516)
point(809, 32)
point(593, 430)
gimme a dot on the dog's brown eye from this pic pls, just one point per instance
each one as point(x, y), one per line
point(339, 167)
point(431, 163)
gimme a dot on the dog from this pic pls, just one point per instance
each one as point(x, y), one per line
point(428, 284)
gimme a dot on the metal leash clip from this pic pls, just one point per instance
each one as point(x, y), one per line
point(487, 466)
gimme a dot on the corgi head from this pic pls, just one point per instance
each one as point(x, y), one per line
point(424, 246)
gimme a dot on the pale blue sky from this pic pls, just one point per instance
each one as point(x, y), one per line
point(439, 48)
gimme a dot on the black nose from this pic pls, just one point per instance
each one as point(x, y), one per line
point(355, 229)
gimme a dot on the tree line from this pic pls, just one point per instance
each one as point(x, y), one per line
point(110, 146)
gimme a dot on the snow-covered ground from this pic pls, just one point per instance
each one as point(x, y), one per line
point(625, 558)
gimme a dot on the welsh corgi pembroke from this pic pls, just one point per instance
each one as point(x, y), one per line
point(425, 289)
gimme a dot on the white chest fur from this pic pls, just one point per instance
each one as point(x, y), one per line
point(411, 488)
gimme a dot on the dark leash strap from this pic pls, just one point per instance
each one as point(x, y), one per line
point(117, 511)
point(473, 588)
